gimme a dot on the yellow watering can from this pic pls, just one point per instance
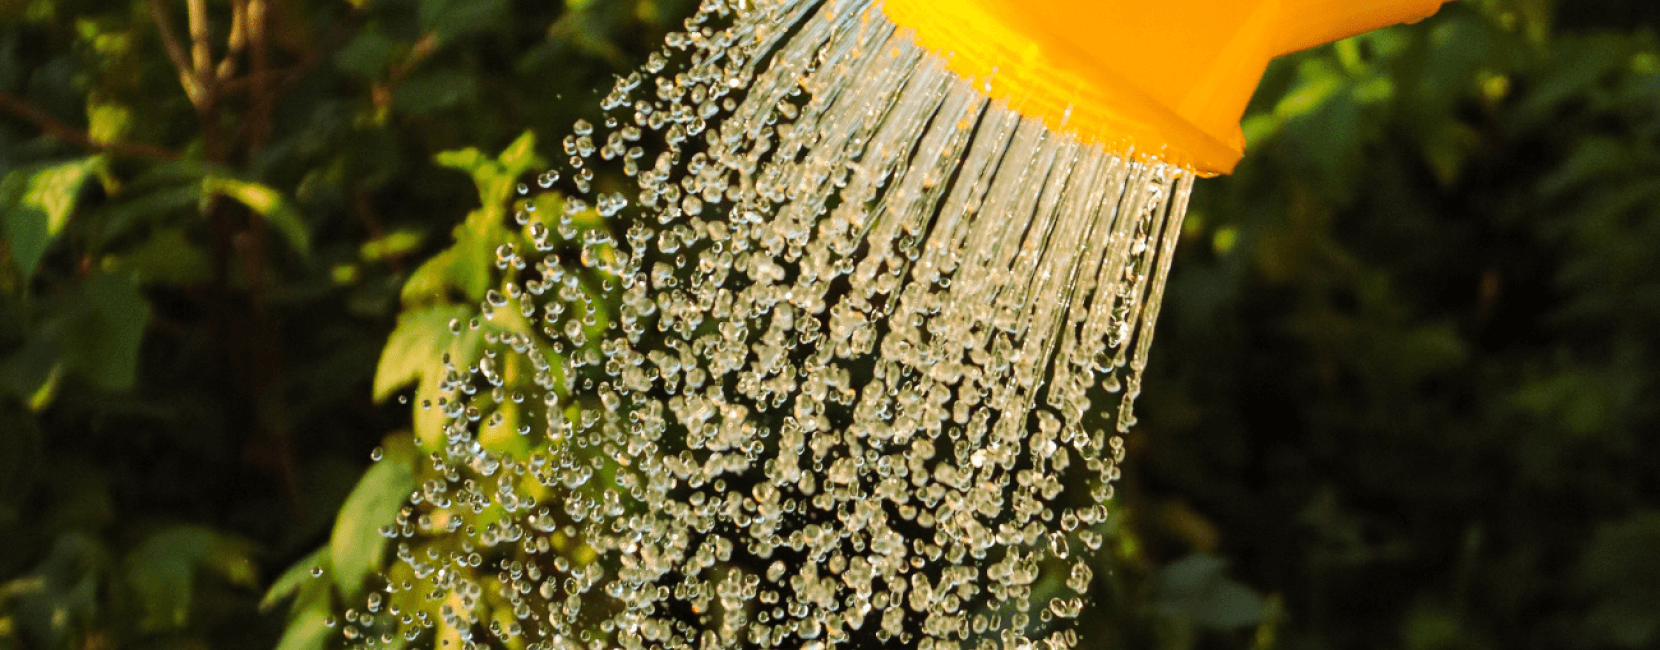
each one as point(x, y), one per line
point(1164, 78)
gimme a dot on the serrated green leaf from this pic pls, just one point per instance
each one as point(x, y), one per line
point(36, 203)
point(416, 347)
point(356, 545)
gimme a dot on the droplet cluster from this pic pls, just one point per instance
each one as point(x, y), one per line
point(854, 374)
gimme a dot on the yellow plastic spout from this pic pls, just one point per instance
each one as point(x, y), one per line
point(1166, 79)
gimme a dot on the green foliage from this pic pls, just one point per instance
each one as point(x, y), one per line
point(37, 203)
point(199, 270)
point(356, 545)
point(1406, 370)
point(162, 570)
point(1403, 394)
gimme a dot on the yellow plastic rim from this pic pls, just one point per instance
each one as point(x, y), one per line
point(1063, 87)
point(1153, 79)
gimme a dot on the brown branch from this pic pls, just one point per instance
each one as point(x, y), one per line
point(201, 52)
point(423, 48)
point(381, 92)
point(263, 96)
point(248, 82)
point(175, 51)
point(61, 132)
point(237, 40)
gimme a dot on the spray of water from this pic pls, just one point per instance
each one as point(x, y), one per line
point(877, 340)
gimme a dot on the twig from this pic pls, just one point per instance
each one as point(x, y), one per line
point(237, 41)
point(201, 52)
point(59, 131)
point(262, 94)
point(175, 51)
point(381, 92)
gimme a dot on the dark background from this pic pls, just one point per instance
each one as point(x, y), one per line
point(1403, 395)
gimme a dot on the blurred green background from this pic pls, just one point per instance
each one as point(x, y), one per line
point(1404, 393)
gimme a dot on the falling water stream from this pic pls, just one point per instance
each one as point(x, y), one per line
point(875, 343)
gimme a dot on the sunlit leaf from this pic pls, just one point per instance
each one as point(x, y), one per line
point(308, 630)
point(416, 345)
point(356, 545)
point(36, 202)
point(520, 156)
point(108, 122)
point(296, 576)
point(430, 282)
point(269, 203)
point(467, 160)
point(394, 244)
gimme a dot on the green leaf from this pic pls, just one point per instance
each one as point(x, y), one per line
point(166, 257)
point(520, 156)
point(394, 244)
point(1593, 157)
point(458, 17)
point(269, 203)
point(1446, 147)
point(1620, 569)
point(308, 630)
point(63, 595)
point(100, 330)
point(29, 370)
point(367, 54)
point(1197, 589)
point(163, 571)
point(431, 91)
point(356, 545)
point(36, 203)
point(139, 206)
point(467, 160)
point(417, 347)
point(108, 122)
point(430, 281)
point(296, 576)
point(20, 465)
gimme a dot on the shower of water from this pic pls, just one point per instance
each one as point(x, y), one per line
point(877, 339)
